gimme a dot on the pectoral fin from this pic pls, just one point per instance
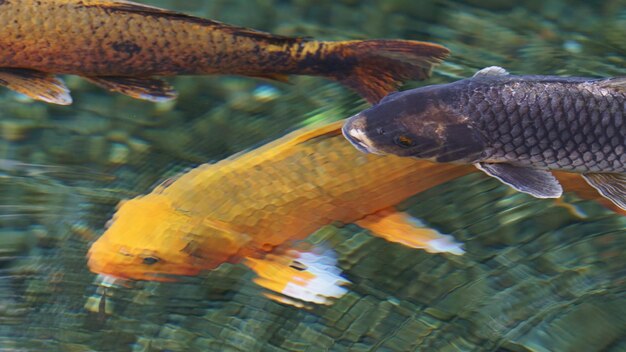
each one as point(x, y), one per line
point(611, 186)
point(299, 278)
point(150, 89)
point(404, 229)
point(537, 183)
point(37, 85)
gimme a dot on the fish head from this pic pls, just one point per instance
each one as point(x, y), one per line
point(419, 123)
point(150, 239)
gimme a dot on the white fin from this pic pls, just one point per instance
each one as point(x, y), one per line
point(491, 71)
point(127, 5)
point(610, 186)
point(446, 244)
point(537, 183)
point(400, 227)
point(150, 89)
point(133, 3)
point(300, 277)
point(36, 85)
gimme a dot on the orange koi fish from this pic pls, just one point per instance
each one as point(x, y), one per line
point(252, 207)
point(122, 46)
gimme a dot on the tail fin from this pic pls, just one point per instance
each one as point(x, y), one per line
point(380, 66)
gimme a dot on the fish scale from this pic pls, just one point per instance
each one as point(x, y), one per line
point(514, 128)
point(256, 206)
point(533, 129)
point(247, 206)
point(110, 41)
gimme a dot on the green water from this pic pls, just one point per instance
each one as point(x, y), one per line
point(535, 277)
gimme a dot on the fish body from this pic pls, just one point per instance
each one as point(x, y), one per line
point(123, 45)
point(253, 203)
point(255, 206)
point(514, 128)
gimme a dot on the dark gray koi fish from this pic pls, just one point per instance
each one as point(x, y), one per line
point(513, 128)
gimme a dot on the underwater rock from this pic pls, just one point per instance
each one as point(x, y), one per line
point(15, 243)
point(16, 130)
point(119, 154)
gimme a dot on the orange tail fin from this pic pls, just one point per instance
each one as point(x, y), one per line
point(378, 67)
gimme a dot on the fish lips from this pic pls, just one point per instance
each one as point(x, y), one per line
point(354, 131)
point(128, 271)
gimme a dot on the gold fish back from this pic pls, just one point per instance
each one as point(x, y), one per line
point(254, 206)
point(290, 188)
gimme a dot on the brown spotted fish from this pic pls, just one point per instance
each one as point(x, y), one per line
point(514, 128)
point(123, 46)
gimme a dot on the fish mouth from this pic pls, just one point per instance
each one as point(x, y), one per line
point(112, 280)
point(356, 136)
point(116, 274)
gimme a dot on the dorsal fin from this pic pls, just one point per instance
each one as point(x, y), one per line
point(618, 83)
point(491, 71)
point(286, 143)
point(131, 6)
point(389, 97)
point(331, 129)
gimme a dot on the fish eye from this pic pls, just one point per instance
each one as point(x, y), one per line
point(404, 141)
point(150, 260)
point(380, 131)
